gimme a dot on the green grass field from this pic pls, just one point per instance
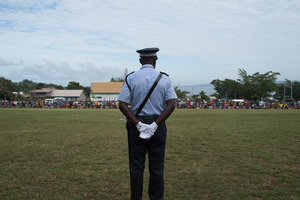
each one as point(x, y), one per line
point(210, 154)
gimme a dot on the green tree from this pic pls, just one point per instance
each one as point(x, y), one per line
point(73, 85)
point(227, 88)
point(87, 90)
point(26, 85)
point(40, 86)
point(180, 94)
point(258, 86)
point(118, 79)
point(203, 96)
point(59, 87)
point(7, 88)
point(296, 90)
point(195, 97)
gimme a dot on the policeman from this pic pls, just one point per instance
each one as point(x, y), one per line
point(147, 130)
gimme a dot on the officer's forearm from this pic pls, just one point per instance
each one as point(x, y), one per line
point(128, 113)
point(170, 106)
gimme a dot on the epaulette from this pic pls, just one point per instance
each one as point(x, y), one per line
point(127, 81)
point(129, 74)
point(164, 73)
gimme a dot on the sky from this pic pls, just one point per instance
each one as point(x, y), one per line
point(58, 41)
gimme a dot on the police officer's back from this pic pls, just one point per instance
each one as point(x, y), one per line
point(147, 129)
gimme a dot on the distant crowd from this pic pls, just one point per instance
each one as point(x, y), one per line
point(238, 105)
point(59, 104)
point(179, 104)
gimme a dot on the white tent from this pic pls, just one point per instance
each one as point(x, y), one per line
point(237, 100)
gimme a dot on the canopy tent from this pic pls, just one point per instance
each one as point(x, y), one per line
point(238, 100)
point(223, 99)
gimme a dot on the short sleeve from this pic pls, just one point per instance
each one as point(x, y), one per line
point(170, 93)
point(125, 94)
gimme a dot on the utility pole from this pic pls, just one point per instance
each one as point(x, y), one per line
point(125, 74)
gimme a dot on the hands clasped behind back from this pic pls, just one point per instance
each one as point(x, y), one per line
point(146, 130)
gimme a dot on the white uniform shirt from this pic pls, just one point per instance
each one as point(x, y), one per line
point(140, 83)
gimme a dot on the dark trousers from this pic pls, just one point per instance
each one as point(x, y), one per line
point(138, 148)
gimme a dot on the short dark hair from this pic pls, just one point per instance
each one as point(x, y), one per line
point(148, 60)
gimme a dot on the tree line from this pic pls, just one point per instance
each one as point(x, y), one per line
point(249, 87)
point(7, 87)
point(256, 87)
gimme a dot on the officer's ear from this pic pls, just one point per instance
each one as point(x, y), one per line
point(154, 62)
point(141, 61)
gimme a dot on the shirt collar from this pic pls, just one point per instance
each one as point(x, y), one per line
point(147, 66)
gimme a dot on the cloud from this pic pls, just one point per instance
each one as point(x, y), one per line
point(63, 73)
point(4, 63)
point(195, 34)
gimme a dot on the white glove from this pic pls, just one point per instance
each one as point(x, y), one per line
point(149, 132)
point(153, 128)
point(145, 135)
point(141, 127)
point(144, 130)
point(124, 119)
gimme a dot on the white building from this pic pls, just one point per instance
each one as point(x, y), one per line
point(105, 91)
point(69, 95)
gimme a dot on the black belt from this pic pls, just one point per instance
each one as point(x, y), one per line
point(147, 118)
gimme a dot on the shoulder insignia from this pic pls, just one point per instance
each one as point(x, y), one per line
point(164, 73)
point(129, 74)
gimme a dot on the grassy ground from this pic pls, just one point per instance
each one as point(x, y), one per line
point(211, 154)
